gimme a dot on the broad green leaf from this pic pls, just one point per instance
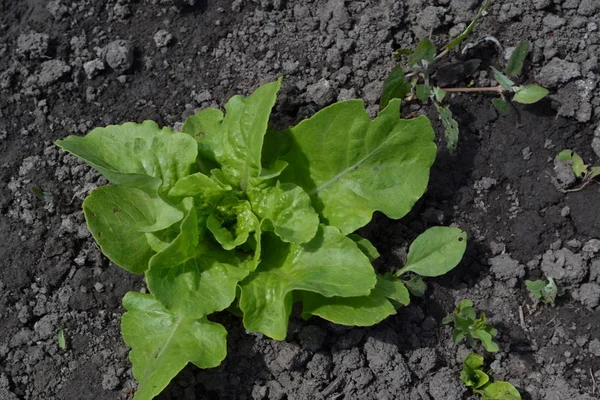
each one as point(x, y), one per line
point(450, 125)
point(579, 167)
point(143, 156)
point(424, 53)
point(460, 38)
point(436, 251)
point(501, 105)
point(237, 145)
point(499, 391)
point(423, 92)
point(365, 246)
point(503, 79)
point(207, 121)
point(197, 287)
point(530, 94)
point(232, 222)
point(515, 63)
point(163, 343)
point(330, 264)
point(206, 191)
point(358, 311)
point(198, 126)
point(394, 87)
point(119, 216)
point(378, 165)
point(288, 210)
point(594, 172)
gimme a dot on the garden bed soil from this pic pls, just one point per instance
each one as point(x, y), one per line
point(61, 73)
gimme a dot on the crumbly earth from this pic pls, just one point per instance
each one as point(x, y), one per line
point(66, 67)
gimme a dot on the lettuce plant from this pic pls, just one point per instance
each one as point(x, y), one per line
point(473, 377)
point(468, 326)
point(230, 214)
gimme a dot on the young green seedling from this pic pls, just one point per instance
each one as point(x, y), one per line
point(546, 291)
point(62, 341)
point(473, 377)
point(414, 80)
point(230, 214)
point(572, 170)
point(468, 326)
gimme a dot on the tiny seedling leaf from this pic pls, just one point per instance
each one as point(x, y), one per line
point(424, 53)
point(460, 38)
point(404, 52)
point(416, 286)
point(499, 391)
point(515, 63)
point(530, 94)
point(450, 125)
point(594, 172)
point(501, 106)
point(545, 291)
point(423, 92)
point(394, 87)
point(62, 341)
point(579, 167)
point(439, 94)
point(502, 79)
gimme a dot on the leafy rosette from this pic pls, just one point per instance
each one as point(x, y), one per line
point(232, 214)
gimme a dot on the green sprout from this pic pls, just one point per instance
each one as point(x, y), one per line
point(468, 326)
point(480, 382)
point(546, 291)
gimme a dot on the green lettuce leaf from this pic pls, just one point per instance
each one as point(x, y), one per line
point(237, 143)
point(286, 209)
point(378, 165)
point(435, 251)
point(232, 222)
point(205, 122)
point(119, 216)
point(143, 156)
point(163, 343)
point(183, 246)
point(330, 264)
point(197, 287)
point(384, 299)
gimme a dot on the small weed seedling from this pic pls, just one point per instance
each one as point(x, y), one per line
point(572, 171)
point(546, 291)
point(414, 80)
point(479, 381)
point(468, 326)
point(230, 214)
point(62, 340)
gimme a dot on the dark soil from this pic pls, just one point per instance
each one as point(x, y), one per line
point(498, 186)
